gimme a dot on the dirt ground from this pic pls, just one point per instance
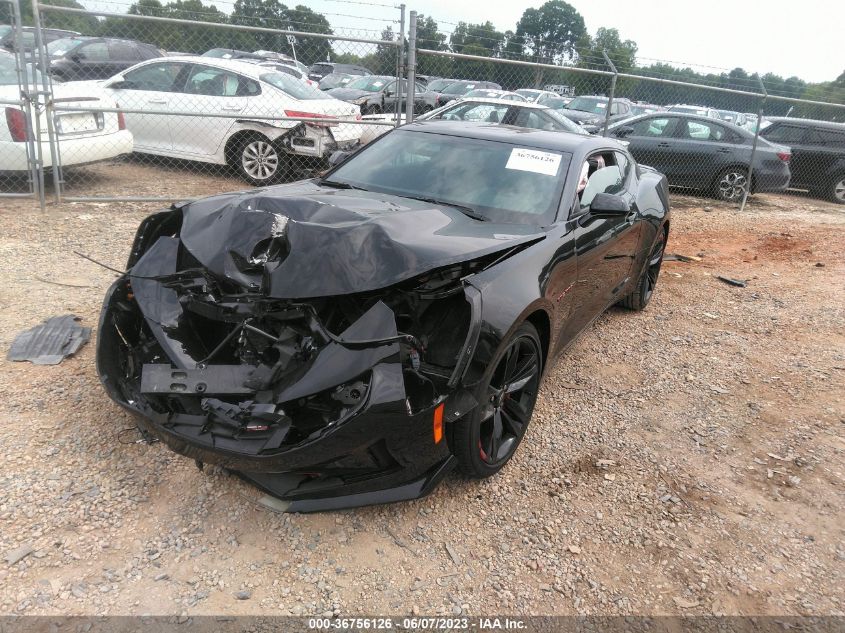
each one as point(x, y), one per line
point(718, 415)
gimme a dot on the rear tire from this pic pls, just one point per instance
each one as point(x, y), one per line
point(485, 439)
point(647, 282)
point(259, 161)
point(836, 190)
point(731, 184)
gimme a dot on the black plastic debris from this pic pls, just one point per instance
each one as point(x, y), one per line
point(732, 282)
point(50, 342)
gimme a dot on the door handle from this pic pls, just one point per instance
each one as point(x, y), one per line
point(724, 150)
point(158, 101)
point(663, 144)
point(232, 108)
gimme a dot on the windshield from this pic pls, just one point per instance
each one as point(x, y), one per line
point(588, 104)
point(368, 83)
point(5, 29)
point(458, 88)
point(8, 74)
point(566, 122)
point(499, 181)
point(296, 88)
point(334, 81)
point(438, 84)
point(490, 94)
point(57, 48)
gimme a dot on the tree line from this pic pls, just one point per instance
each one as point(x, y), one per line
point(554, 33)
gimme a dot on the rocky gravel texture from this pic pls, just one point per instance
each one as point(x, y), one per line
point(686, 459)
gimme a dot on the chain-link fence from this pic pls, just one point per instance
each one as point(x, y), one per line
point(717, 138)
point(179, 100)
point(164, 102)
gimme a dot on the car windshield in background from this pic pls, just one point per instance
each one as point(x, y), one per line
point(57, 48)
point(438, 84)
point(586, 104)
point(335, 80)
point(368, 83)
point(499, 181)
point(8, 74)
point(530, 94)
point(569, 124)
point(289, 84)
point(458, 88)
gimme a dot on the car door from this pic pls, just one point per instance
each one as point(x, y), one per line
point(652, 142)
point(122, 55)
point(91, 61)
point(703, 149)
point(210, 90)
point(150, 88)
point(606, 246)
point(805, 154)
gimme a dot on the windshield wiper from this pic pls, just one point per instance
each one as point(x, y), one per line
point(467, 211)
point(339, 185)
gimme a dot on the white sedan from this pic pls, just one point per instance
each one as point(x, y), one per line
point(84, 136)
point(168, 102)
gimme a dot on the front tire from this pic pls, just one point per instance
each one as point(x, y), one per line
point(731, 184)
point(836, 190)
point(647, 282)
point(486, 438)
point(259, 161)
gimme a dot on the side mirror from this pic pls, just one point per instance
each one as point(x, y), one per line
point(338, 157)
point(388, 93)
point(121, 84)
point(76, 57)
point(622, 132)
point(608, 204)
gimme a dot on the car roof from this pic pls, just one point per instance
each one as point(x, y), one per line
point(508, 102)
point(678, 115)
point(833, 125)
point(235, 65)
point(542, 139)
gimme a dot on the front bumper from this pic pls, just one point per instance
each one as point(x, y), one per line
point(381, 453)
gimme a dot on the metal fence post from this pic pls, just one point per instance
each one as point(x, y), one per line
point(612, 92)
point(47, 92)
point(754, 144)
point(400, 60)
point(412, 66)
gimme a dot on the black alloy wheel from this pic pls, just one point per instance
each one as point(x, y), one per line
point(647, 282)
point(487, 438)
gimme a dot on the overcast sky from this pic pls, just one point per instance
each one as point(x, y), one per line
point(797, 38)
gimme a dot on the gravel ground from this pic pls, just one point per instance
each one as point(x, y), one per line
point(687, 459)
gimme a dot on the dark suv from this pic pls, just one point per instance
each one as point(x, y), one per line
point(7, 36)
point(319, 70)
point(818, 154)
point(76, 58)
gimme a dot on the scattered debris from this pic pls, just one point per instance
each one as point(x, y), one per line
point(677, 257)
point(452, 554)
point(718, 389)
point(732, 282)
point(709, 315)
point(819, 264)
point(683, 603)
point(17, 555)
point(273, 503)
point(574, 549)
point(243, 595)
point(605, 463)
point(50, 342)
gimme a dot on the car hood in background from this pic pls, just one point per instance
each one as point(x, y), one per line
point(348, 94)
point(303, 241)
point(580, 116)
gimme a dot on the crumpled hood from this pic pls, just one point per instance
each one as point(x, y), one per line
point(581, 116)
point(311, 241)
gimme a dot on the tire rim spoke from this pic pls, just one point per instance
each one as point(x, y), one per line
point(522, 376)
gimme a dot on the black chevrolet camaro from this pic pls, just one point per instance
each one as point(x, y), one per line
point(351, 339)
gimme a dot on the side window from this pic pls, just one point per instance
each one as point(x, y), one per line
point(624, 164)
point(419, 88)
point(530, 119)
point(123, 52)
point(603, 176)
point(214, 82)
point(663, 127)
point(698, 130)
point(148, 52)
point(155, 77)
point(784, 133)
point(488, 112)
point(94, 52)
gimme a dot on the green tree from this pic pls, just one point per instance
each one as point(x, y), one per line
point(430, 37)
point(84, 24)
point(590, 49)
point(268, 14)
point(308, 49)
point(482, 40)
point(549, 34)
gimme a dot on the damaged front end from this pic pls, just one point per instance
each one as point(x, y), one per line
point(326, 401)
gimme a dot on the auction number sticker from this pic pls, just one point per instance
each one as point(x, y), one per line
point(532, 160)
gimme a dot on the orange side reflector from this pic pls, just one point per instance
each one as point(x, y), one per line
point(438, 423)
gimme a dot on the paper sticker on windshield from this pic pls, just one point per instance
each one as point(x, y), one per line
point(601, 105)
point(378, 84)
point(532, 160)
